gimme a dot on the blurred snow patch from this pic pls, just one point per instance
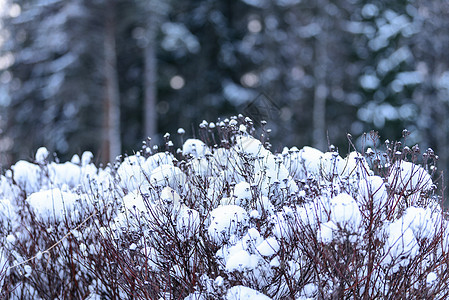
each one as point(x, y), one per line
point(237, 94)
point(178, 38)
point(369, 81)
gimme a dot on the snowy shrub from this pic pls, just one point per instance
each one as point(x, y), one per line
point(226, 218)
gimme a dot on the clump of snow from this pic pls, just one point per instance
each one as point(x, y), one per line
point(304, 162)
point(7, 188)
point(195, 296)
point(170, 197)
point(410, 178)
point(130, 172)
point(373, 188)
point(195, 148)
point(332, 164)
point(356, 166)
point(325, 233)
point(310, 162)
point(53, 203)
point(76, 159)
point(158, 159)
point(28, 270)
point(7, 211)
point(241, 260)
point(188, 223)
point(269, 170)
point(225, 221)
point(401, 245)
point(181, 131)
point(42, 155)
point(431, 279)
point(345, 211)
point(134, 202)
point(241, 292)
point(424, 223)
point(4, 270)
point(248, 145)
point(86, 158)
point(167, 175)
point(309, 290)
point(268, 247)
point(242, 192)
point(67, 173)
point(241, 195)
point(27, 175)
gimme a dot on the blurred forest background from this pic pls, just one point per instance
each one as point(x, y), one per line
point(102, 75)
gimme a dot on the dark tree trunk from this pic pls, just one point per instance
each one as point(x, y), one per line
point(150, 78)
point(111, 144)
point(321, 90)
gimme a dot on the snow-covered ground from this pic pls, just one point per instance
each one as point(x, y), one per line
point(234, 221)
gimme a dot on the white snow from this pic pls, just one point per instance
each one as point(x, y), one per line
point(158, 159)
point(27, 176)
point(195, 148)
point(372, 188)
point(240, 261)
point(356, 165)
point(76, 159)
point(86, 158)
point(309, 290)
point(52, 203)
point(242, 191)
point(66, 173)
point(226, 221)
point(170, 197)
point(431, 279)
point(250, 146)
point(332, 164)
point(188, 222)
point(42, 155)
point(408, 177)
point(401, 245)
point(268, 247)
point(325, 232)
point(257, 210)
point(28, 270)
point(131, 174)
point(240, 292)
point(304, 162)
point(181, 131)
point(167, 175)
point(345, 211)
point(422, 221)
point(135, 202)
point(195, 296)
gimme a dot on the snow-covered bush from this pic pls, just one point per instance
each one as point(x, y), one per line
point(227, 220)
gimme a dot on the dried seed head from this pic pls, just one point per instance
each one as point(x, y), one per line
point(405, 133)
